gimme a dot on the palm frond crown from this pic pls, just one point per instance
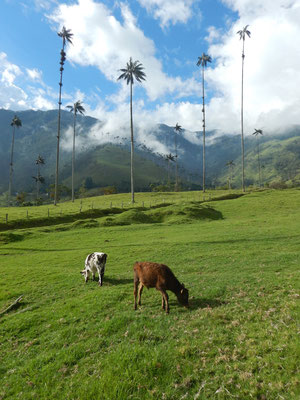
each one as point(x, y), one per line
point(243, 32)
point(178, 128)
point(77, 108)
point(16, 121)
point(133, 70)
point(203, 60)
point(66, 35)
point(257, 132)
point(40, 160)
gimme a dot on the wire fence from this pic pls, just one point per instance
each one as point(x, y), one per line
point(43, 212)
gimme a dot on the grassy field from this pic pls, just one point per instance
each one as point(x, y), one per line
point(238, 257)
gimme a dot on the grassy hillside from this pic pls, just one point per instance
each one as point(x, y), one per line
point(239, 259)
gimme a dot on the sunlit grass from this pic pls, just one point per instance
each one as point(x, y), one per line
point(70, 340)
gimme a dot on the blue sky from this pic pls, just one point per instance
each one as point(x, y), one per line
point(166, 36)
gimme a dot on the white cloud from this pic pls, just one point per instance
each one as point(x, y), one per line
point(34, 74)
point(271, 68)
point(169, 11)
point(101, 40)
point(16, 94)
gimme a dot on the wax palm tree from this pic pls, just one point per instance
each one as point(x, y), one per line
point(177, 129)
point(243, 34)
point(169, 158)
point(38, 178)
point(256, 133)
point(133, 71)
point(202, 61)
point(230, 164)
point(66, 36)
point(76, 108)
point(16, 122)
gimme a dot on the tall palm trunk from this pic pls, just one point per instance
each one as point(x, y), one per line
point(258, 160)
point(203, 121)
point(242, 121)
point(73, 157)
point(132, 146)
point(58, 128)
point(11, 166)
point(38, 183)
point(176, 164)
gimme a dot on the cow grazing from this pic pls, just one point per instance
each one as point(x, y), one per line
point(95, 262)
point(159, 276)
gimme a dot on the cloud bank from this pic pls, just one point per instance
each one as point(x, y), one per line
point(105, 38)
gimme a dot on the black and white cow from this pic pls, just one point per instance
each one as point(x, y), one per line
point(95, 262)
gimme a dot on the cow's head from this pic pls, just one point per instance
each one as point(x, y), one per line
point(183, 296)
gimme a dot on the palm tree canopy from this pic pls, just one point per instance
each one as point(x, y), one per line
point(16, 122)
point(230, 163)
point(77, 108)
point(40, 160)
point(170, 157)
point(133, 70)
point(257, 132)
point(66, 35)
point(244, 32)
point(178, 128)
point(203, 60)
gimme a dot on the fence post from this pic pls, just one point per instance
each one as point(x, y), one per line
point(92, 205)
point(27, 213)
point(6, 218)
point(48, 213)
point(122, 205)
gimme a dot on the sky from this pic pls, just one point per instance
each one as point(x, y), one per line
point(166, 37)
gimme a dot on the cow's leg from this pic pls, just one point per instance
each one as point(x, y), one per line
point(135, 289)
point(86, 275)
point(162, 302)
point(141, 287)
point(165, 300)
point(101, 278)
point(100, 273)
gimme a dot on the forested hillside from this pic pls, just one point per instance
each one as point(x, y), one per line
point(100, 164)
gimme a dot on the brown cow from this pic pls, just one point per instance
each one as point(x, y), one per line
point(160, 276)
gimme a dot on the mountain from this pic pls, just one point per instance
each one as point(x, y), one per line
point(108, 164)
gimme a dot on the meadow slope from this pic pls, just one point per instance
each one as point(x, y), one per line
point(238, 257)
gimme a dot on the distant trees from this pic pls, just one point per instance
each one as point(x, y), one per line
point(243, 34)
point(256, 133)
point(75, 108)
point(132, 71)
point(66, 36)
point(177, 129)
point(202, 61)
point(16, 122)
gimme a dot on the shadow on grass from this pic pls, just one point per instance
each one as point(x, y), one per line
point(205, 303)
point(115, 281)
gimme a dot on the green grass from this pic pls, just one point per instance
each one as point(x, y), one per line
point(239, 258)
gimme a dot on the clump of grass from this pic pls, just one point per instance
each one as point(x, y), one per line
point(89, 223)
point(10, 237)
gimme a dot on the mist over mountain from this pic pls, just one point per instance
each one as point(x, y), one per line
point(104, 156)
